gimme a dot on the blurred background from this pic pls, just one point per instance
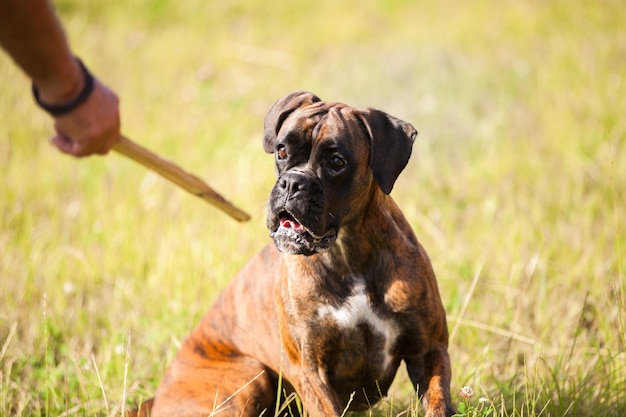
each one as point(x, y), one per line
point(515, 188)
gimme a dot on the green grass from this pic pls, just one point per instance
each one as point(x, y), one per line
point(515, 188)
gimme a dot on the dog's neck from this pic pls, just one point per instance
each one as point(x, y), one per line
point(359, 244)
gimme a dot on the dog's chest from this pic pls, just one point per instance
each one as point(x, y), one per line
point(359, 330)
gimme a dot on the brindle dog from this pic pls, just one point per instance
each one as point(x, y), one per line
point(343, 295)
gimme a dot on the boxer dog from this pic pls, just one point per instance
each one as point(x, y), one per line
point(343, 295)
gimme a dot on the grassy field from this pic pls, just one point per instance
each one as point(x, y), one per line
point(515, 188)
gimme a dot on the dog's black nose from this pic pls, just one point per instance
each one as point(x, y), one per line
point(291, 185)
point(295, 183)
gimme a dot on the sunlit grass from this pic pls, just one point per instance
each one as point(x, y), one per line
point(515, 188)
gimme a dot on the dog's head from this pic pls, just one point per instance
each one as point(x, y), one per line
point(329, 158)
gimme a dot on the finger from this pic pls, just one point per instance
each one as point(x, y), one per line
point(68, 146)
point(62, 143)
point(107, 141)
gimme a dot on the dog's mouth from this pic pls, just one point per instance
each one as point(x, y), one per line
point(291, 236)
point(287, 221)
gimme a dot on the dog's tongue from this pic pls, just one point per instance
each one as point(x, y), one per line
point(291, 224)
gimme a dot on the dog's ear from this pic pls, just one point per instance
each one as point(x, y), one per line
point(279, 112)
point(391, 145)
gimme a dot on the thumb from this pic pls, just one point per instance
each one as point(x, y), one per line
point(63, 143)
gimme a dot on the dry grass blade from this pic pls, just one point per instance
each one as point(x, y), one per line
point(178, 176)
point(104, 394)
point(7, 341)
point(221, 406)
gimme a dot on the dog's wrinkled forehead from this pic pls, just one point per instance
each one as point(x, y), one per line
point(319, 121)
point(303, 117)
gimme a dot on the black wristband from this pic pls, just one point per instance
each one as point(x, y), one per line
point(60, 109)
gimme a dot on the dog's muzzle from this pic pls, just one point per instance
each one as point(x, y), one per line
point(297, 218)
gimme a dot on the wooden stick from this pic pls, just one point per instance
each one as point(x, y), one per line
point(178, 176)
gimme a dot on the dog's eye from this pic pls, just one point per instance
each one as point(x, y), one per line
point(281, 153)
point(336, 163)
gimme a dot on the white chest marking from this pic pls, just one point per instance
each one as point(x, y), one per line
point(357, 310)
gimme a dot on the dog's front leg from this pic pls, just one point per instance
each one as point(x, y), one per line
point(311, 380)
point(431, 376)
point(318, 397)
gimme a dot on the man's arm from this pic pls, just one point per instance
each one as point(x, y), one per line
point(32, 34)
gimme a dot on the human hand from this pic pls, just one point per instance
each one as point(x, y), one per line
point(91, 128)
